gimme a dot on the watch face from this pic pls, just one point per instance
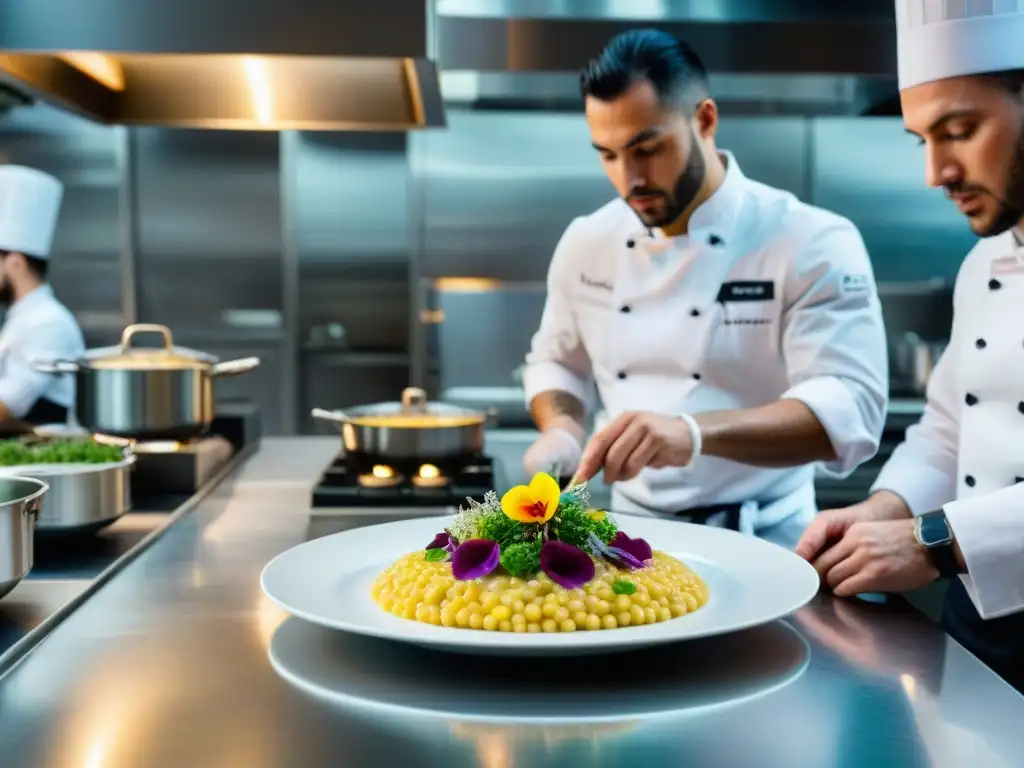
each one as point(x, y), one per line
point(934, 530)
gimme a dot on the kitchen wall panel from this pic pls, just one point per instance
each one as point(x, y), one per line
point(209, 243)
point(348, 202)
point(86, 264)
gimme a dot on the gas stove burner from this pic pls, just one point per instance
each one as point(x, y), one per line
point(381, 476)
point(355, 481)
point(429, 476)
point(160, 446)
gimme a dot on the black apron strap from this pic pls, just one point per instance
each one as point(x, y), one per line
point(46, 411)
point(701, 515)
point(999, 643)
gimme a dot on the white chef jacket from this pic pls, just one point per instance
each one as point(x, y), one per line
point(37, 327)
point(966, 455)
point(765, 297)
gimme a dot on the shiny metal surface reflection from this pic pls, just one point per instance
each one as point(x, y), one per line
point(168, 665)
point(686, 678)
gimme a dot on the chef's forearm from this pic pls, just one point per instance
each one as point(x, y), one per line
point(781, 434)
point(557, 409)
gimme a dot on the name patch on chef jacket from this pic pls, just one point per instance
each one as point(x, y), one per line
point(747, 290)
point(1007, 265)
point(854, 284)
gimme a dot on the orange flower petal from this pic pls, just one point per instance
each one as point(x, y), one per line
point(533, 503)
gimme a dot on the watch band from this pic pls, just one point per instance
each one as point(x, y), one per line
point(932, 532)
point(696, 441)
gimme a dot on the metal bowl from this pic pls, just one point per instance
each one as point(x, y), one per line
point(21, 499)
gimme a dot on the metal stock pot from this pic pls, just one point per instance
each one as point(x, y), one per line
point(163, 393)
point(410, 429)
point(21, 499)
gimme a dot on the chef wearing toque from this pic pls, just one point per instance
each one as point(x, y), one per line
point(949, 504)
point(36, 326)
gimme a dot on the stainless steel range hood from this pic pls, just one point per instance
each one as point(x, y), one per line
point(765, 56)
point(226, 64)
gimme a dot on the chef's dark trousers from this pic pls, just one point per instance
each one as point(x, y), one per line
point(999, 643)
point(728, 513)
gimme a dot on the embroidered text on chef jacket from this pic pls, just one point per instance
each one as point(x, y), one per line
point(969, 444)
point(37, 327)
point(765, 297)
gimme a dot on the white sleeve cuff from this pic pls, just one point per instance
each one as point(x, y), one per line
point(990, 532)
point(837, 409)
point(922, 486)
point(546, 376)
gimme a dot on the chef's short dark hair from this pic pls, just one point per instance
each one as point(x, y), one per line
point(1011, 81)
point(669, 64)
point(38, 267)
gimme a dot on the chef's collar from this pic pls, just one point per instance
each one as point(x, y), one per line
point(714, 220)
point(32, 298)
point(1018, 235)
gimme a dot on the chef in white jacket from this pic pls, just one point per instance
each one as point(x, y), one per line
point(37, 325)
point(734, 333)
point(950, 501)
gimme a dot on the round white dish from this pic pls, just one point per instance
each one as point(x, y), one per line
point(327, 581)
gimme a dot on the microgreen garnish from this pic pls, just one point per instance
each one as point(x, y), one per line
point(623, 587)
point(436, 555)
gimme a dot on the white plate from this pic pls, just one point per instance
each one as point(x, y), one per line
point(327, 581)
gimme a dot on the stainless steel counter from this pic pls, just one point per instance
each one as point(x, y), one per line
point(179, 661)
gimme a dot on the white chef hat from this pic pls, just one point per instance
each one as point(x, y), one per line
point(29, 208)
point(952, 38)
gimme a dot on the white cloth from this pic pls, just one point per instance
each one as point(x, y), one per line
point(29, 207)
point(936, 40)
point(37, 327)
point(765, 298)
point(966, 455)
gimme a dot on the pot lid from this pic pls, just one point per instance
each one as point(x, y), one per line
point(414, 401)
point(168, 356)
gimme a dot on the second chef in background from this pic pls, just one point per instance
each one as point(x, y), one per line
point(37, 325)
point(734, 333)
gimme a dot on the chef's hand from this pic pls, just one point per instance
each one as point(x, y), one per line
point(555, 450)
point(830, 526)
point(878, 556)
point(633, 441)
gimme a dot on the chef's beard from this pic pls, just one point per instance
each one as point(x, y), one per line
point(6, 295)
point(683, 191)
point(1011, 206)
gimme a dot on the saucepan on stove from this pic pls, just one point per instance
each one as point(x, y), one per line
point(163, 393)
point(411, 428)
point(21, 499)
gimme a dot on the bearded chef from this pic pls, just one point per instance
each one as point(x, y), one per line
point(36, 326)
point(950, 501)
point(734, 333)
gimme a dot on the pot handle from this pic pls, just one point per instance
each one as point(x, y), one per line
point(55, 366)
point(235, 367)
point(131, 330)
point(336, 416)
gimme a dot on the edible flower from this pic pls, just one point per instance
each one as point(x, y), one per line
point(614, 554)
point(566, 565)
point(533, 503)
point(475, 558)
point(638, 548)
point(442, 540)
point(597, 515)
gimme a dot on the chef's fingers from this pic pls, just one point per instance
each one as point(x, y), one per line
point(824, 526)
point(860, 582)
point(641, 457)
point(838, 552)
point(844, 569)
point(593, 457)
point(620, 451)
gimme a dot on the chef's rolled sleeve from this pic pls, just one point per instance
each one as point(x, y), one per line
point(834, 343)
point(990, 532)
point(558, 359)
point(21, 385)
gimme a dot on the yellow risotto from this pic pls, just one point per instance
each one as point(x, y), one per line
point(414, 588)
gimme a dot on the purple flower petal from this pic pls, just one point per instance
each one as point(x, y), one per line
point(638, 548)
point(443, 540)
point(475, 558)
point(614, 554)
point(565, 564)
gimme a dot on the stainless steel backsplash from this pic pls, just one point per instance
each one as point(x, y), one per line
point(322, 252)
